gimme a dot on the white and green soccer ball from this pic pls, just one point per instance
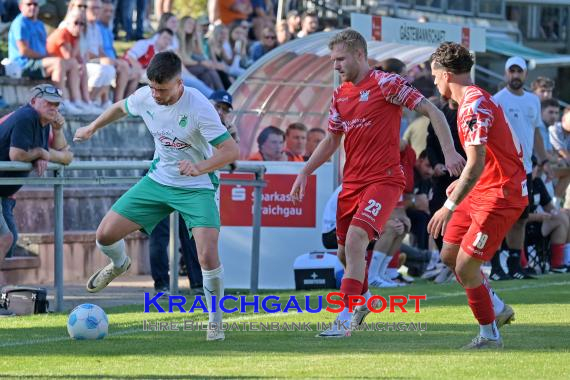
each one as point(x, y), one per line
point(87, 321)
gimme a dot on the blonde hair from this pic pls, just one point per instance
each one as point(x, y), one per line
point(351, 39)
point(189, 42)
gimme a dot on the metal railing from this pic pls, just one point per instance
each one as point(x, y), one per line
point(59, 180)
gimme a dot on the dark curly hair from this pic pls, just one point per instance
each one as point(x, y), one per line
point(452, 57)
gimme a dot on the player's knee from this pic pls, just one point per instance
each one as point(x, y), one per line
point(104, 235)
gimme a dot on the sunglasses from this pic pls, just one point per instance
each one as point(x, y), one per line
point(84, 6)
point(269, 37)
point(31, 4)
point(50, 90)
point(81, 23)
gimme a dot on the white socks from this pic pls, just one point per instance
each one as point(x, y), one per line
point(377, 258)
point(345, 315)
point(383, 267)
point(489, 331)
point(213, 281)
point(115, 251)
point(498, 303)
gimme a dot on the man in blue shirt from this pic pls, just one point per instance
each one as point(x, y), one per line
point(127, 79)
point(24, 136)
point(27, 47)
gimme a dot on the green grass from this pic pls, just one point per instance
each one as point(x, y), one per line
point(536, 345)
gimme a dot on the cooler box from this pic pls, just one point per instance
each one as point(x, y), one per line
point(315, 270)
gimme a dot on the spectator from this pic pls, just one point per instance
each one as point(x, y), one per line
point(263, 15)
point(543, 87)
point(222, 102)
point(231, 11)
point(170, 21)
point(64, 43)
point(560, 137)
point(282, 32)
point(52, 12)
point(24, 136)
point(314, 137)
point(268, 42)
point(441, 177)
point(553, 223)
point(522, 110)
point(100, 69)
point(193, 57)
point(309, 24)
point(270, 142)
point(295, 142)
point(127, 77)
point(293, 23)
point(27, 47)
point(141, 53)
point(124, 18)
point(550, 112)
point(419, 210)
point(221, 52)
point(392, 65)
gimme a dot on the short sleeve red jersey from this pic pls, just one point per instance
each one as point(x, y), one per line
point(481, 121)
point(369, 115)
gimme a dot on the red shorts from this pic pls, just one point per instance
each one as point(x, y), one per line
point(480, 230)
point(368, 207)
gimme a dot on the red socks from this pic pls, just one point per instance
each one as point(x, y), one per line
point(557, 258)
point(481, 304)
point(350, 287)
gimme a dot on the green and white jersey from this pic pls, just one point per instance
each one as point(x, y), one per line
point(186, 130)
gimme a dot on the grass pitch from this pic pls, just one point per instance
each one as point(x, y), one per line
point(537, 344)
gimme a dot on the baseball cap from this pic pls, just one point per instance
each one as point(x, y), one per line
point(48, 92)
point(222, 96)
point(518, 61)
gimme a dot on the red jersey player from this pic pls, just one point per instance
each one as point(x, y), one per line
point(489, 196)
point(366, 109)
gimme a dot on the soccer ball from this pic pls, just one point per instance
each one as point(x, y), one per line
point(87, 321)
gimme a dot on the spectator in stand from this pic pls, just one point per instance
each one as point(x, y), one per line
point(64, 43)
point(231, 11)
point(550, 110)
point(27, 47)
point(25, 136)
point(543, 87)
point(222, 102)
point(127, 78)
point(282, 32)
point(293, 23)
point(419, 211)
point(295, 142)
point(100, 69)
point(314, 137)
point(141, 53)
point(270, 142)
point(192, 55)
point(170, 21)
point(124, 18)
point(560, 137)
point(309, 24)
point(268, 42)
point(553, 222)
point(263, 15)
point(221, 51)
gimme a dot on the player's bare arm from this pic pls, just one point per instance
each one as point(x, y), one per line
point(322, 153)
point(453, 160)
point(113, 113)
point(466, 182)
point(226, 153)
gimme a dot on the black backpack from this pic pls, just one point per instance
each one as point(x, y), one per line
point(23, 300)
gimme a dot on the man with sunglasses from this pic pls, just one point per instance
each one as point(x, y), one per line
point(222, 102)
point(27, 47)
point(25, 136)
point(182, 177)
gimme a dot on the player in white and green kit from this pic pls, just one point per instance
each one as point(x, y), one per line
point(182, 177)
